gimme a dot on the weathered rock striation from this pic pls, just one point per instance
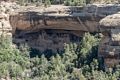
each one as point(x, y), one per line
point(5, 27)
point(62, 17)
point(49, 28)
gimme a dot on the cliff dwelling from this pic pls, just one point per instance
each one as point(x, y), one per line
point(50, 28)
point(59, 39)
point(48, 39)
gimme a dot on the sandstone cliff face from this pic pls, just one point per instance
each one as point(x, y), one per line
point(26, 22)
point(110, 44)
point(62, 17)
point(5, 27)
point(49, 28)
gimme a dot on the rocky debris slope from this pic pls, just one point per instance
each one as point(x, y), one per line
point(5, 26)
point(5, 9)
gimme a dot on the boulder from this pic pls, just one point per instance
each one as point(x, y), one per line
point(111, 21)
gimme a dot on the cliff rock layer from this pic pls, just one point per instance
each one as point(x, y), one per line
point(49, 28)
point(5, 27)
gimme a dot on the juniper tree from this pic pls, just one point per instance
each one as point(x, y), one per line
point(57, 69)
point(47, 3)
point(12, 62)
point(40, 68)
point(86, 49)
